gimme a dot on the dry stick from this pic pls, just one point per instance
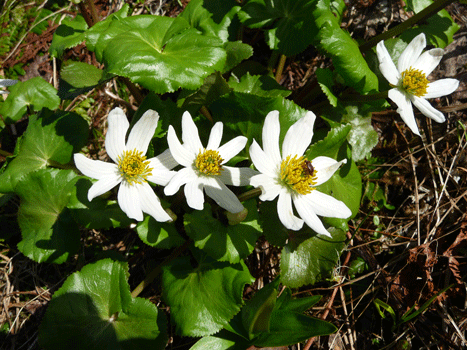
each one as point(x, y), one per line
point(331, 302)
point(157, 270)
point(417, 203)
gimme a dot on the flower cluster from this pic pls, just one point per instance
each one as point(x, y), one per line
point(291, 176)
point(410, 83)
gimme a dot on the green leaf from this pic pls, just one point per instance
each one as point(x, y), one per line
point(77, 78)
point(362, 137)
point(259, 85)
point(307, 260)
point(93, 35)
point(288, 328)
point(211, 292)
point(299, 305)
point(223, 340)
point(341, 48)
point(257, 311)
point(97, 214)
point(214, 86)
point(69, 34)
point(160, 235)
point(326, 82)
point(224, 242)
point(169, 55)
point(439, 28)
point(34, 93)
point(287, 23)
point(51, 137)
point(94, 310)
point(212, 17)
point(49, 232)
point(236, 53)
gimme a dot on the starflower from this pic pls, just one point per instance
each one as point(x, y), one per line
point(6, 82)
point(292, 177)
point(131, 170)
point(410, 83)
point(204, 168)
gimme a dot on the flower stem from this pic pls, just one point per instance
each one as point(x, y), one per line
point(204, 111)
point(85, 14)
point(249, 194)
point(429, 11)
point(92, 8)
point(133, 90)
point(280, 68)
point(5, 153)
point(158, 269)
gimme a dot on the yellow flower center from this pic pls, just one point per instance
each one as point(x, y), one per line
point(134, 167)
point(208, 162)
point(298, 174)
point(414, 81)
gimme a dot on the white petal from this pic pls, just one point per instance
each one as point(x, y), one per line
point(7, 82)
point(271, 132)
point(151, 204)
point(236, 176)
point(428, 61)
point(411, 53)
point(441, 87)
point(427, 109)
point(129, 201)
point(325, 205)
point(161, 176)
point(386, 65)
point(165, 159)
point(194, 194)
point(224, 197)
point(94, 168)
point(115, 138)
point(190, 136)
point(285, 211)
point(325, 168)
point(181, 154)
point(269, 187)
point(306, 212)
point(232, 148)
point(180, 178)
point(215, 136)
point(143, 131)
point(262, 161)
point(404, 109)
point(103, 185)
point(299, 135)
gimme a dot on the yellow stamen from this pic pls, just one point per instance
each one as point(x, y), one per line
point(134, 167)
point(208, 162)
point(295, 173)
point(414, 81)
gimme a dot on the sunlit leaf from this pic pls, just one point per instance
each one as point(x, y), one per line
point(211, 292)
point(160, 235)
point(94, 310)
point(49, 232)
point(69, 34)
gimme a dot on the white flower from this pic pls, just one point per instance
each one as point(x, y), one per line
point(6, 82)
point(204, 167)
point(410, 81)
point(292, 177)
point(131, 169)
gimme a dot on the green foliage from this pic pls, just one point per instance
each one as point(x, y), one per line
point(69, 34)
point(220, 240)
point(34, 94)
point(211, 291)
point(158, 234)
point(94, 310)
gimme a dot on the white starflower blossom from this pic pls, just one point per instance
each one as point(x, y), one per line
point(410, 83)
point(5, 83)
point(204, 167)
point(131, 169)
point(292, 177)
